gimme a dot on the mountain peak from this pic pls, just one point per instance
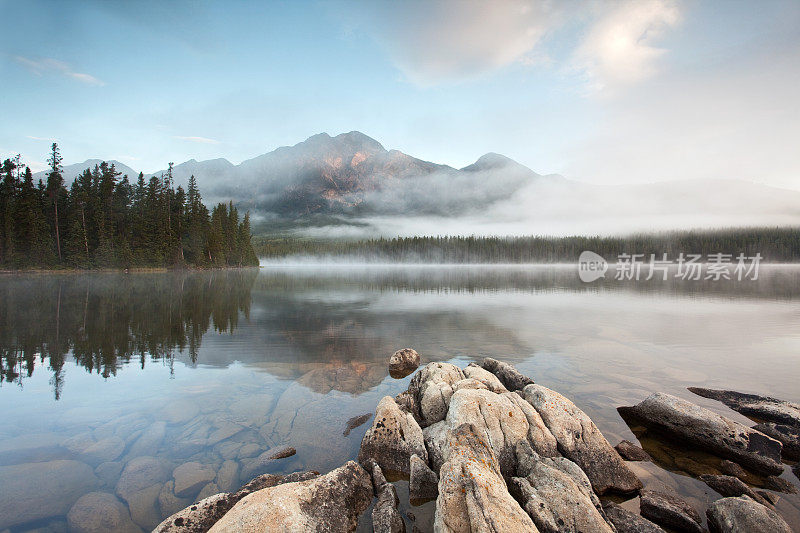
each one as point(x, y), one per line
point(490, 160)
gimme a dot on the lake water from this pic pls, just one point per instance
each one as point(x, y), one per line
point(214, 368)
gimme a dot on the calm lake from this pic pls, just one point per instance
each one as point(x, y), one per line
point(100, 371)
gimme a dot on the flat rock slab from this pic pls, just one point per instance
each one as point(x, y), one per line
point(708, 430)
point(762, 408)
point(731, 486)
point(627, 522)
point(631, 452)
point(332, 502)
point(511, 378)
point(581, 441)
point(788, 435)
point(393, 438)
point(670, 510)
point(736, 515)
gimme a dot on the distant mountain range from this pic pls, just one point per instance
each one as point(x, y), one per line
point(352, 177)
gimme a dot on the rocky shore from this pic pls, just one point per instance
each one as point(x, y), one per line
point(484, 448)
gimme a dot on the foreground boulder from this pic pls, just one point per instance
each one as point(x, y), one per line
point(734, 515)
point(431, 388)
point(627, 522)
point(492, 382)
point(556, 494)
point(332, 502)
point(581, 441)
point(752, 405)
point(472, 493)
point(669, 510)
point(706, 429)
point(403, 362)
point(393, 438)
point(509, 376)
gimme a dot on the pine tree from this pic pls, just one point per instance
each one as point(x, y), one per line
point(55, 183)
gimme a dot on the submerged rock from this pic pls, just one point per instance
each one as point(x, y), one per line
point(332, 502)
point(556, 494)
point(35, 491)
point(788, 435)
point(385, 517)
point(763, 408)
point(735, 515)
point(432, 387)
point(708, 430)
point(393, 438)
point(191, 477)
point(140, 485)
point(423, 482)
point(100, 512)
point(670, 510)
point(581, 441)
point(403, 362)
point(732, 469)
point(627, 522)
point(631, 452)
point(473, 495)
point(168, 503)
point(509, 376)
point(102, 451)
point(354, 422)
point(778, 484)
point(262, 463)
point(731, 486)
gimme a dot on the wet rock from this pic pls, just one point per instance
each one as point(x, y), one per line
point(730, 486)
point(191, 477)
point(403, 362)
point(631, 452)
point(228, 449)
point(432, 388)
point(143, 506)
point(228, 476)
point(139, 485)
point(35, 491)
point(32, 448)
point(732, 469)
point(788, 435)
point(778, 484)
point(265, 461)
point(556, 494)
point(208, 490)
point(179, 412)
point(77, 443)
point(504, 421)
point(332, 502)
point(187, 447)
point(627, 522)
point(354, 422)
point(473, 495)
point(768, 497)
point(423, 482)
point(248, 450)
point(168, 502)
point(509, 376)
point(762, 408)
point(393, 438)
point(734, 515)
point(150, 440)
point(100, 512)
point(102, 451)
point(581, 441)
point(224, 430)
point(708, 430)
point(385, 517)
point(109, 473)
point(670, 510)
point(491, 381)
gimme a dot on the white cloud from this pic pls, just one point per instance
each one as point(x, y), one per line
point(42, 65)
point(620, 47)
point(195, 139)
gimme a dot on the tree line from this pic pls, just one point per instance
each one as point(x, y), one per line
point(104, 221)
point(774, 245)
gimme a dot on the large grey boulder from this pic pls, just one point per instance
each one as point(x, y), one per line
point(200, 516)
point(509, 376)
point(708, 430)
point(35, 491)
point(581, 441)
point(432, 387)
point(423, 483)
point(100, 512)
point(403, 362)
point(670, 510)
point(764, 408)
point(435, 437)
point(473, 495)
point(332, 502)
point(735, 515)
point(393, 438)
point(627, 522)
point(479, 373)
point(556, 494)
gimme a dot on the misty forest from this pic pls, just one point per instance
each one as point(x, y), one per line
point(102, 221)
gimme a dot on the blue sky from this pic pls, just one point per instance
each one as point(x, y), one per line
point(603, 92)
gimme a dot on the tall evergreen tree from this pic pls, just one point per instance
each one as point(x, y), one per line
point(55, 182)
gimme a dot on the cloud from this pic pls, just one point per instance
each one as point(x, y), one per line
point(194, 139)
point(43, 65)
point(619, 48)
point(459, 39)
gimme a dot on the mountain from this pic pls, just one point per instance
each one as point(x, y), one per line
point(71, 172)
